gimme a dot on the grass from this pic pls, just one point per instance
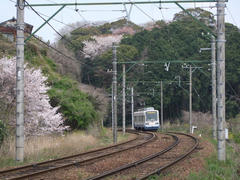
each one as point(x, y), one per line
point(44, 148)
point(219, 170)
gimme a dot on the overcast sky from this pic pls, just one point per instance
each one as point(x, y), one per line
point(140, 14)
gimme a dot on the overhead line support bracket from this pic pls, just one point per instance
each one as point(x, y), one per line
point(29, 37)
point(120, 3)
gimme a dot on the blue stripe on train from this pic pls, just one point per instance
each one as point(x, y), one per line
point(151, 127)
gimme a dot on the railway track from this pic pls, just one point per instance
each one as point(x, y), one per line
point(151, 158)
point(183, 145)
point(78, 159)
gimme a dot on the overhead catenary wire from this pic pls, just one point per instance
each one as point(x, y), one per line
point(139, 9)
point(58, 51)
point(61, 22)
point(142, 11)
point(227, 82)
point(234, 21)
point(55, 29)
point(54, 19)
point(55, 49)
point(74, 9)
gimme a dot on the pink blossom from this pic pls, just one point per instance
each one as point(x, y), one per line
point(100, 44)
point(40, 117)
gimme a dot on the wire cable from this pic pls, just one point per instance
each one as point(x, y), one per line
point(234, 21)
point(58, 51)
point(55, 29)
point(73, 9)
point(142, 11)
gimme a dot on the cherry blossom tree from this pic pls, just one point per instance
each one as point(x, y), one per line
point(100, 44)
point(124, 30)
point(40, 117)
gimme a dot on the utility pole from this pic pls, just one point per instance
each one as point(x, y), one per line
point(221, 79)
point(20, 82)
point(132, 103)
point(123, 98)
point(191, 70)
point(114, 120)
point(214, 112)
point(112, 109)
point(161, 105)
point(190, 98)
point(214, 104)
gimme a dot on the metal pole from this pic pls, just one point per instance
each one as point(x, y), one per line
point(112, 108)
point(123, 98)
point(20, 82)
point(161, 105)
point(132, 103)
point(190, 98)
point(214, 115)
point(120, 3)
point(114, 93)
point(221, 79)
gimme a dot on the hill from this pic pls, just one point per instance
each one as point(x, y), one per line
point(173, 42)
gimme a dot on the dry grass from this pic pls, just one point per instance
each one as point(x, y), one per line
point(202, 120)
point(53, 146)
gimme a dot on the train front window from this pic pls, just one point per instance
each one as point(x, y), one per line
point(151, 116)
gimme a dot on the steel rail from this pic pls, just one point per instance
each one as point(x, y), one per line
point(67, 157)
point(159, 170)
point(111, 172)
point(153, 137)
point(114, 171)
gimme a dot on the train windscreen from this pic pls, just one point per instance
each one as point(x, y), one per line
point(151, 116)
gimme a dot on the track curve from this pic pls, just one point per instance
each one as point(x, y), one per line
point(153, 159)
point(155, 163)
point(78, 159)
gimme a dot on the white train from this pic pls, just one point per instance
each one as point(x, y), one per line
point(146, 119)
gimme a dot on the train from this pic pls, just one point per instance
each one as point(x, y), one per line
point(146, 119)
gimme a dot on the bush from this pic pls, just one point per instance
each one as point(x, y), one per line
point(236, 138)
point(3, 131)
point(75, 105)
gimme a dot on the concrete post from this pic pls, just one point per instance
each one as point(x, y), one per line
point(161, 105)
point(221, 79)
point(190, 99)
point(20, 82)
point(112, 109)
point(114, 94)
point(124, 99)
point(214, 112)
point(132, 103)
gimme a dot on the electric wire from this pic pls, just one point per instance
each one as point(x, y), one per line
point(61, 22)
point(51, 47)
point(54, 19)
point(85, 20)
point(55, 29)
point(58, 51)
point(74, 9)
point(142, 11)
point(234, 21)
point(227, 82)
